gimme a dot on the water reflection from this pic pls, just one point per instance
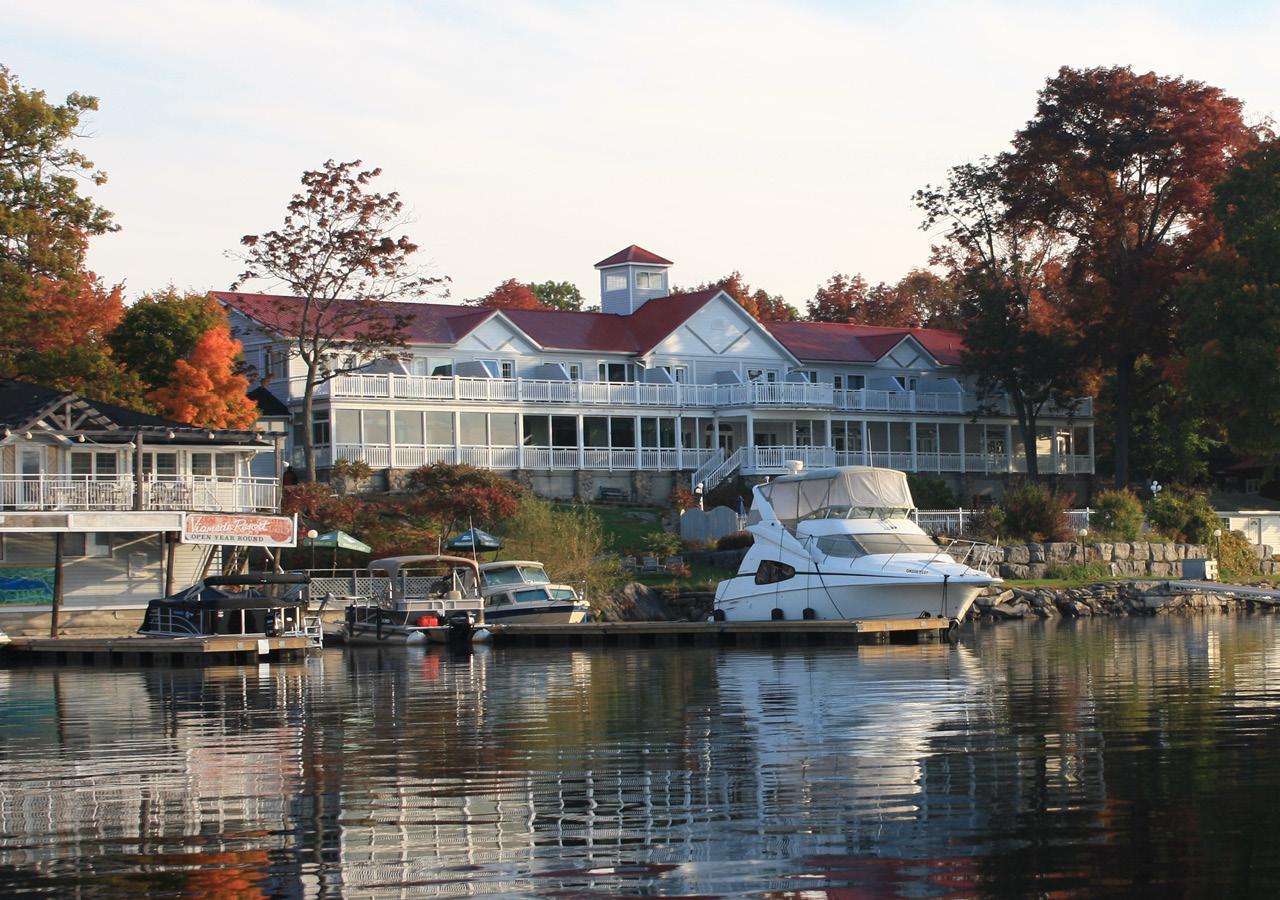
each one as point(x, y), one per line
point(1089, 757)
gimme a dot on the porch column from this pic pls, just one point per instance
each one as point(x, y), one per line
point(1091, 450)
point(638, 442)
point(1008, 448)
point(520, 437)
point(391, 441)
point(1053, 446)
point(582, 450)
point(715, 431)
point(679, 439)
point(963, 466)
point(138, 503)
point(751, 429)
point(915, 445)
point(866, 447)
point(457, 430)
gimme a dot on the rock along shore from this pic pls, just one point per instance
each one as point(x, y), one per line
point(1133, 598)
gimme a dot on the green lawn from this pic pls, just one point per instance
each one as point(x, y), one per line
point(625, 527)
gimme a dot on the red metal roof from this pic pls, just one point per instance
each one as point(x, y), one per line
point(638, 333)
point(841, 342)
point(633, 254)
point(443, 323)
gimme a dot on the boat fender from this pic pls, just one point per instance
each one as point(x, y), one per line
point(777, 615)
point(810, 613)
point(718, 615)
point(481, 636)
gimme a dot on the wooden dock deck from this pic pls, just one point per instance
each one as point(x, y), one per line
point(135, 651)
point(809, 633)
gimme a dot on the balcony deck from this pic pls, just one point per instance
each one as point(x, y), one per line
point(160, 493)
point(755, 395)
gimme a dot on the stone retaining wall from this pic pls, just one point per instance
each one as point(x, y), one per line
point(1108, 599)
point(1122, 558)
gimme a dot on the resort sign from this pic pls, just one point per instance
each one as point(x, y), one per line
point(241, 530)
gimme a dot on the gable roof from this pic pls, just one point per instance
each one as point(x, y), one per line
point(844, 342)
point(23, 405)
point(633, 254)
point(551, 329)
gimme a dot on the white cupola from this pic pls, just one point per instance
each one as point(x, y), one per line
point(629, 278)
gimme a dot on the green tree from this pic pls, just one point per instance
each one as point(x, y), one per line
point(161, 328)
point(1232, 326)
point(45, 221)
point(558, 295)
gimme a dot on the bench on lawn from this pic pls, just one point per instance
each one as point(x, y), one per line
point(613, 495)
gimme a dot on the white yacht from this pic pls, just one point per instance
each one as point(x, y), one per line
point(518, 592)
point(838, 544)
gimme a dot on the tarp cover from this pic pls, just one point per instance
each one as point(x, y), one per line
point(795, 496)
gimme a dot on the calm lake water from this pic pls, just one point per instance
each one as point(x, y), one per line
point(1107, 757)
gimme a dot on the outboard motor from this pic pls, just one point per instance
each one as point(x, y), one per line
point(459, 624)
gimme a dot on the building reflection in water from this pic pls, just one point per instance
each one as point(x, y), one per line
point(1010, 761)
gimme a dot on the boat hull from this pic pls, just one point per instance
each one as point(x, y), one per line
point(847, 597)
point(537, 614)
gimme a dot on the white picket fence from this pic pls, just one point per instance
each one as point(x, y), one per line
point(953, 522)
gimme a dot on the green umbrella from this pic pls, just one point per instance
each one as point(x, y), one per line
point(335, 539)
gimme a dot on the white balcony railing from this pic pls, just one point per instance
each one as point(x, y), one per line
point(671, 396)
point(204, 493)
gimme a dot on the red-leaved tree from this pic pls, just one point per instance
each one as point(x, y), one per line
point(511, 294)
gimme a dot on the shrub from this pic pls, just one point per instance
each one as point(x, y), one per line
point(1183, 516)
point(931, 492)
point(1117, 515)
point(728, 494)
point(1236, 561)
point(987, 523)
point(682, 498)
point(662, 543)
point(458, 496)
point(736, 540)
point(1034, 513)
point(568, 541)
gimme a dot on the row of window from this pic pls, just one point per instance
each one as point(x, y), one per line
point(645, 281)
point(475, 429)
point(103, 463)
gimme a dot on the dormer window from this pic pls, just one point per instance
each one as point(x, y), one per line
point(649, 281)
point(615, 282)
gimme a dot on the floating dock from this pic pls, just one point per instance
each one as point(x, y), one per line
point(143, 652)
point(805, 633)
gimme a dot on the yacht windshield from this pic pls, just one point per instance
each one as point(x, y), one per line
point(852, 546)
point(857, 512)
point(515, 575)
point(534, 574)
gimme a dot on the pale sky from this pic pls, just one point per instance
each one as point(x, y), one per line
point(531, 139)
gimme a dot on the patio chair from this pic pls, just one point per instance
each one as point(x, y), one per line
point(671, 563)
point(649, 564)
point(628, 563)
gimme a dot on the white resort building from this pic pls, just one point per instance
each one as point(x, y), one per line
point(655, 389)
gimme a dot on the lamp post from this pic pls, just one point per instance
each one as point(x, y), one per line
point(312, 534)
point(1084, 533)
point(698, 491)
point(1217, 542)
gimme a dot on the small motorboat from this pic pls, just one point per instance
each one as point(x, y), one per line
point(518, 591)
point(839, 543)
point(265, 605)
point(415, 599)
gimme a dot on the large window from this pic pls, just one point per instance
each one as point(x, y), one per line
point(615, 282)
point(617, 372)
point(473, 429)
point(85, 462)
point(408, 427)
point(439, 428)
point(160, 463)
point(502, 429)
point(537, 431)
point(221, 464)
point(657, 432)
point(595, 431)
point(622, 432)
point(346, 426)
point(320, 427)
point(564, 431)
point(377, 426)
point(499, 368)
point(650, 281)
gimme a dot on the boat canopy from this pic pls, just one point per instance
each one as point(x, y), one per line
point(390, 567)
point(821, 493)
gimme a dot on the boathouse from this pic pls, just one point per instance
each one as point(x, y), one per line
point(103, 507)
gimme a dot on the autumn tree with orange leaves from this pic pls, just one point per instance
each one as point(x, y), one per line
point(204, 389)
point(759, 304)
